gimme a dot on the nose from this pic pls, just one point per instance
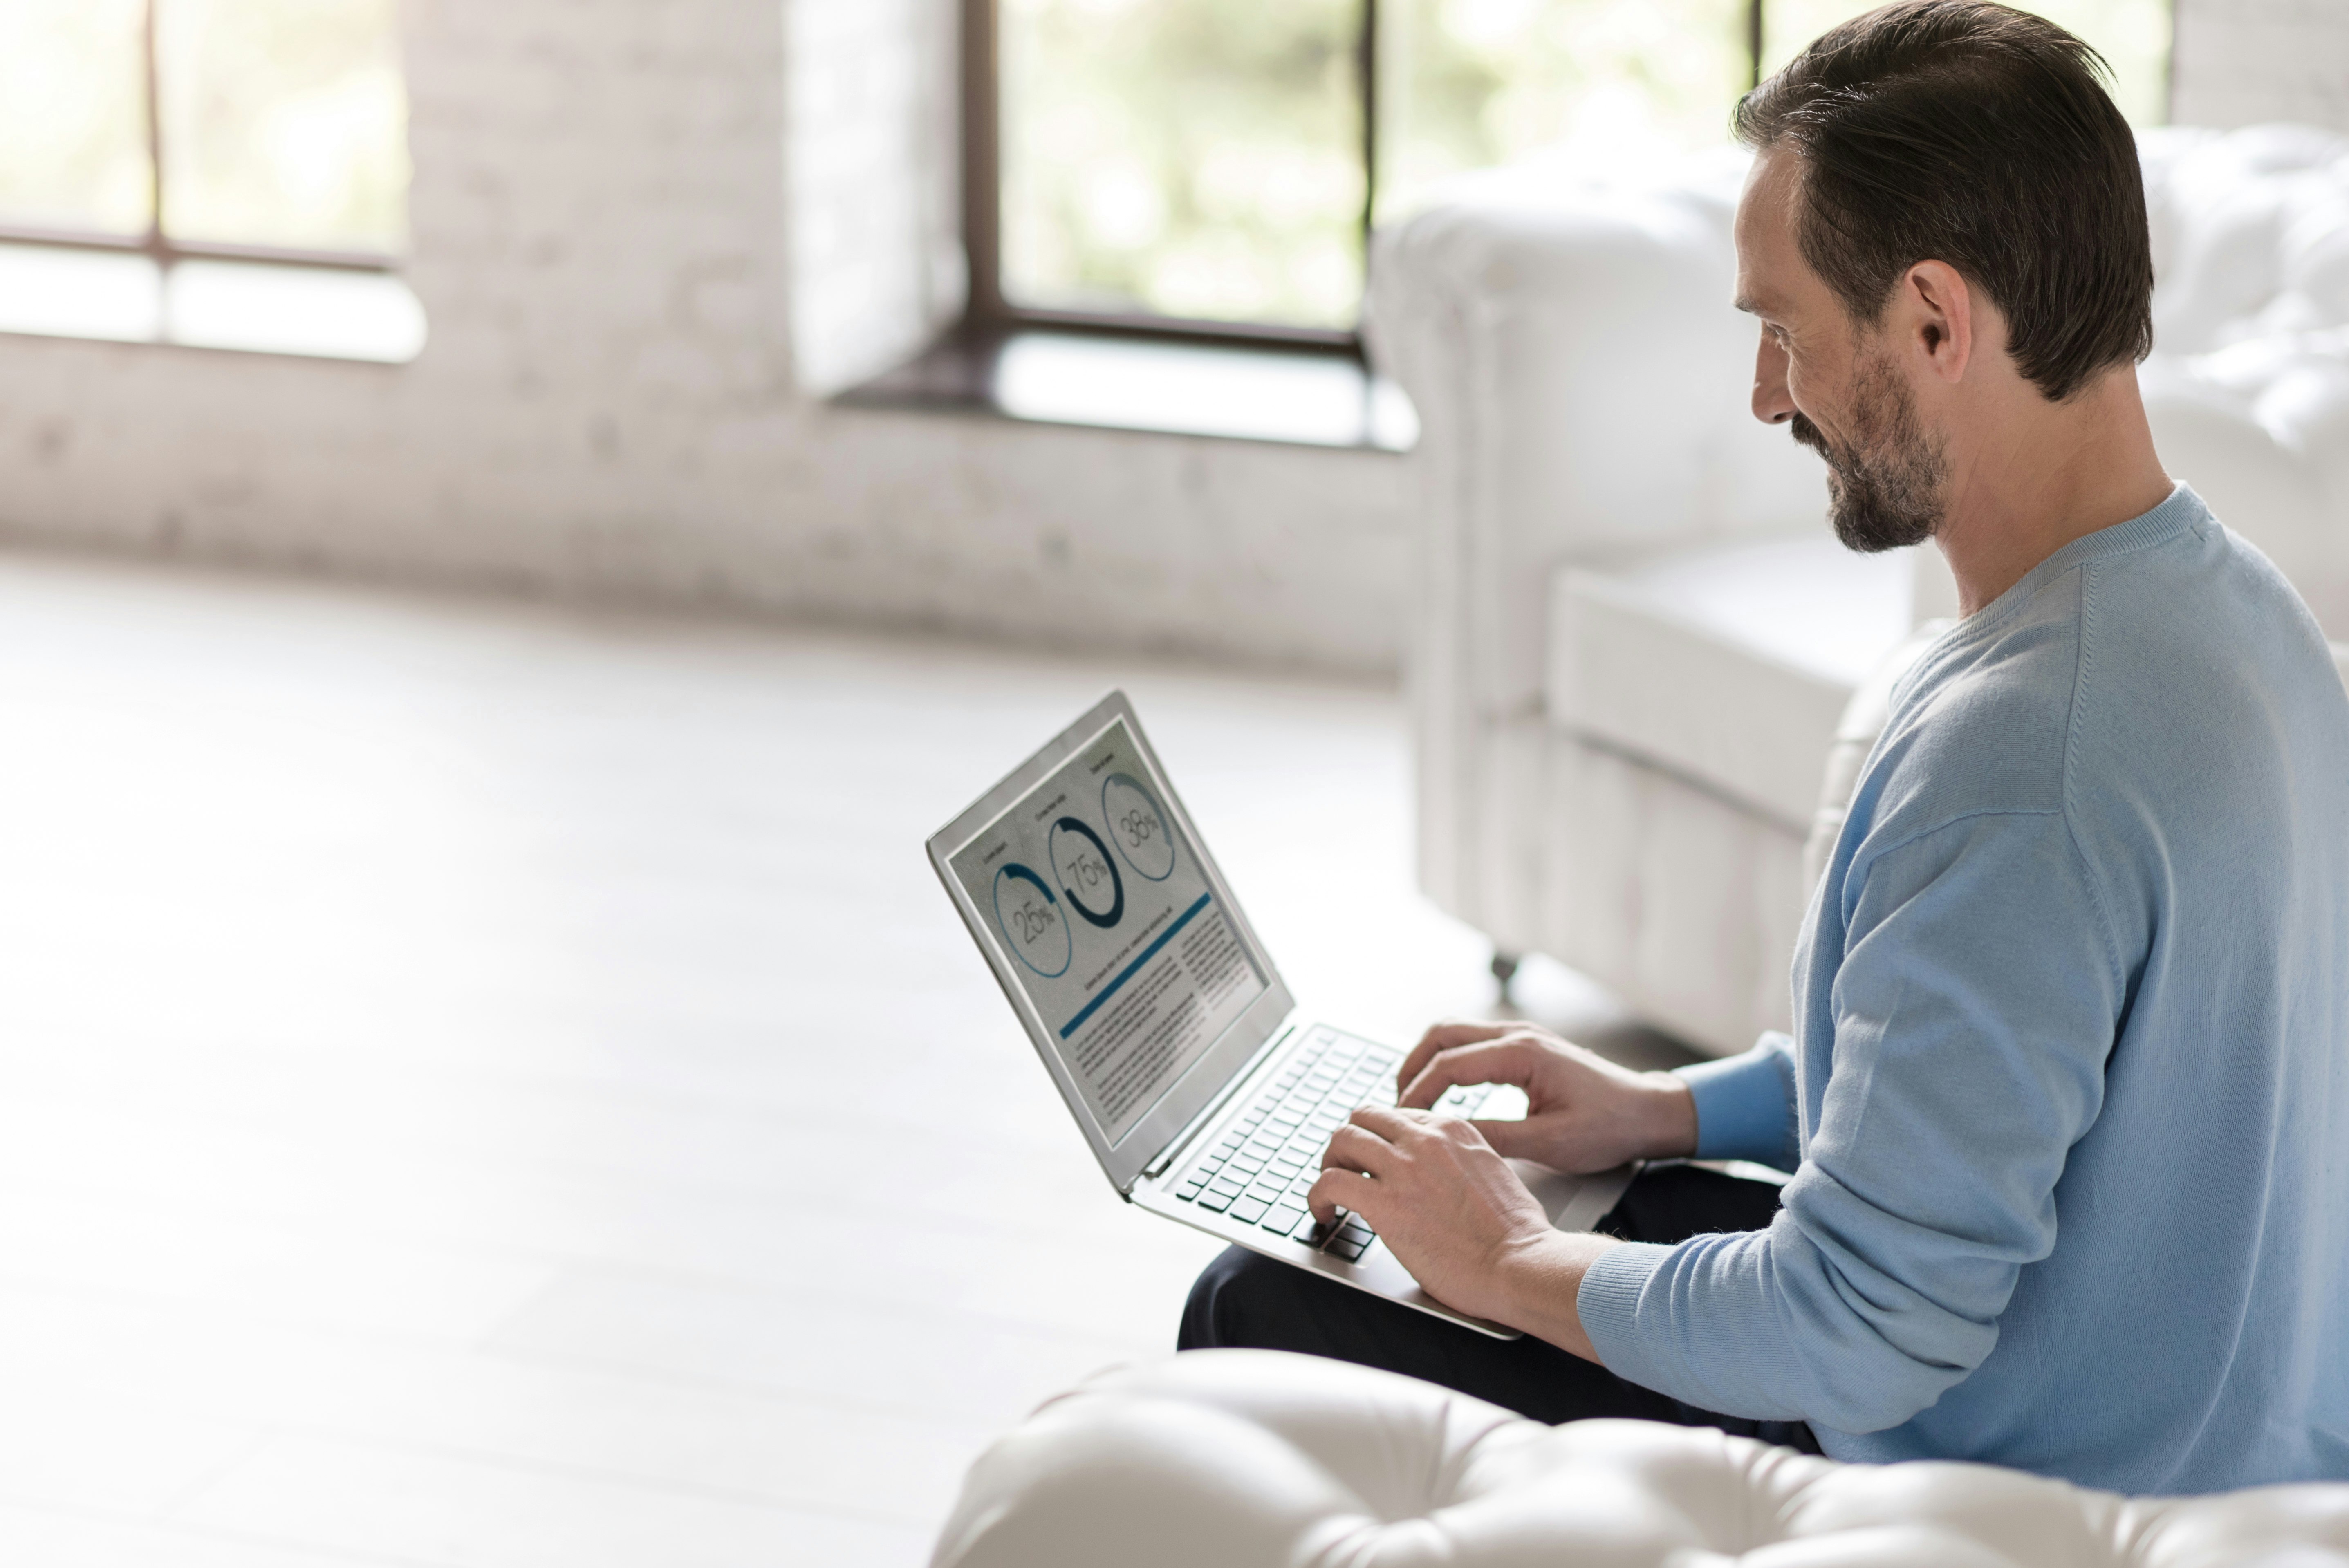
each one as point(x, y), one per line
point(1773, 405)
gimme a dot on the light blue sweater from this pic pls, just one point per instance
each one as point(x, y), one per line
point(2067, 1100)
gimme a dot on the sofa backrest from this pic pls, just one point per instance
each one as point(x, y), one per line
point(2248, 387)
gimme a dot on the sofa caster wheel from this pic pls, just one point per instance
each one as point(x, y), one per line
point(1505, 969)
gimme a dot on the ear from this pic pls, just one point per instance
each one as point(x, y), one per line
point(1939, 312)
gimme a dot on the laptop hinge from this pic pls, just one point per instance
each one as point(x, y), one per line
point(1181, 1142)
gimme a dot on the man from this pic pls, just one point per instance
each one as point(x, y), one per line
point(2067, 1098)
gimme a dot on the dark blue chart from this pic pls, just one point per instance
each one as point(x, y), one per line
point(1087, 874)
point(1030, 918)
point(1137, 827)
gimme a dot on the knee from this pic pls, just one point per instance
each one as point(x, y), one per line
point(1229, 1294)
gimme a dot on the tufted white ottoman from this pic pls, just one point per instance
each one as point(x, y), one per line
point(1232, 1458)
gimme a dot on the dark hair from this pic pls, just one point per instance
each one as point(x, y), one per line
point(1969, 133)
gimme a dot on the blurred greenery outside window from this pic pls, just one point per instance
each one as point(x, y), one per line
point(206, 126)
point(1209, 161)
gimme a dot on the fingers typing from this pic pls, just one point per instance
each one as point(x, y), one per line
point(1356, 1147)
point(1505, 1059)
point(1337, 1189)
point(1444, 1037)
point(1385, 1123)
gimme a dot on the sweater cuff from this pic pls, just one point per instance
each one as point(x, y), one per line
point(1608, 1304)
point(1744, 1104)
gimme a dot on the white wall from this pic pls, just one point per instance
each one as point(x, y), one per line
point(606, 246)
point(873, 149)
point(2240, 62)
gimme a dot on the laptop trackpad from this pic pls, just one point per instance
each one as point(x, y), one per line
point(1574, 1203)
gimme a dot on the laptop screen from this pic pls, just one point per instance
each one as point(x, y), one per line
point(1114, 933)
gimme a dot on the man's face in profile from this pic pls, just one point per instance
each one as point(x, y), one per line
point(1833, 381)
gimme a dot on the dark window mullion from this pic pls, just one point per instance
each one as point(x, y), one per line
point(158, 242)
point(1368, 67)
point(982, 163)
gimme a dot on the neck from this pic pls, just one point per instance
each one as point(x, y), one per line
point(2048, 474)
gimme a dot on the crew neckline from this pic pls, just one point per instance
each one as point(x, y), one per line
point(2180, 513)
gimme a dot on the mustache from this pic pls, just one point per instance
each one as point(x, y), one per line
point(1807, 434)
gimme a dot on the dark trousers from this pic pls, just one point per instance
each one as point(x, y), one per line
point(1244, 1299)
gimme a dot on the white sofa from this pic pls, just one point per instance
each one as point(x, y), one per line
point(1250, 1459)
point(1636, 636)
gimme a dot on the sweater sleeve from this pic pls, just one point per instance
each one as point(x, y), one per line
point(1746, 1104)
point(1973, 1011)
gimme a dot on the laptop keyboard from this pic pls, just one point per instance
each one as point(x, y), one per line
point(1266, 1162)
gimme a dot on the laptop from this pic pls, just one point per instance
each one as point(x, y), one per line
point(1205, 1093)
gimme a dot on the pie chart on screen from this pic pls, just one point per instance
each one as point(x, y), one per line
point(1031, 921)
point(1087, 873)
point(1137, 827)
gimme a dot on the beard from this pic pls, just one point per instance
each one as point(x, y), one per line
point(1884, 492)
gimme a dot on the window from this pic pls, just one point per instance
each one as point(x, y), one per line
point(1215, 162)
point(225, 173)
point(1203, 160)
point(1200, 177)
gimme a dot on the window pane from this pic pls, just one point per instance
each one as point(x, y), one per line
point(285, 123)
point(73, 117)
point(1467, 84)
point(2132, 34)
point(1187, 157)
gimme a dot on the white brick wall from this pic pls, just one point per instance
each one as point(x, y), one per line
point(2242, 62)
point(875, 196)
point(609, 407)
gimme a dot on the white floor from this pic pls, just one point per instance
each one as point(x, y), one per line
point(490, 1086)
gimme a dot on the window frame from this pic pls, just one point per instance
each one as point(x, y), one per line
point(964, 370)
point(157, 243)
point(988, 314)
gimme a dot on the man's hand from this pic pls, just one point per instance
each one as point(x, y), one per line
point(1584, 1113)
point(1456, 1216)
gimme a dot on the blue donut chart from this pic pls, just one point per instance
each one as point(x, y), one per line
point(1064, 949)
point(1132, 855)
point(1116, 911)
